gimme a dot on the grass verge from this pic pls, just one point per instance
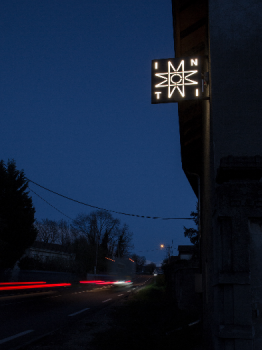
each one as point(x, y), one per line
point(149, 319)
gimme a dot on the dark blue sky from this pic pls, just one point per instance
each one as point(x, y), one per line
point(76, 112)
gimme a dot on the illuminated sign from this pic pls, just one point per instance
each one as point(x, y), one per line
point(176, 79)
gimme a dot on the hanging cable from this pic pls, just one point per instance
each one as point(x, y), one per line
point(112, 211)
point(50, 204)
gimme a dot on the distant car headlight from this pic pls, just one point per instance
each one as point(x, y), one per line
point(121, 283)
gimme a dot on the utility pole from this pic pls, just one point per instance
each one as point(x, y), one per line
point(96, 254)
point(168, 252)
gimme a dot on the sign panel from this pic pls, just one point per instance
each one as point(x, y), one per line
point(176, 79)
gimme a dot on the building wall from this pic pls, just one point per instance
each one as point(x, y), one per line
point(221, 145)
point(235, 59)
point(232, 242)
point(44, 254)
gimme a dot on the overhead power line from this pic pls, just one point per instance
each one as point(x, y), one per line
point(50, 204)
point(109, 210)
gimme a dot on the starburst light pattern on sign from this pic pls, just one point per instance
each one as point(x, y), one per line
point(175, 79)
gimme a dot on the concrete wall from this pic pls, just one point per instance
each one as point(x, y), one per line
point(255, 230)
point(47, 276)
point(233, 278)
point(182, 279)
point(185, 291)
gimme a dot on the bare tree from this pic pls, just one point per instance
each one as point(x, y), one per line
point(47, 231)
point(104, 234)
point(95, 225)
point(64, 233)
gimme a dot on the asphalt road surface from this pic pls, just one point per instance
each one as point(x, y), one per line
point(27, 316)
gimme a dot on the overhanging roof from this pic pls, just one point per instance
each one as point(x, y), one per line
point(190, 26)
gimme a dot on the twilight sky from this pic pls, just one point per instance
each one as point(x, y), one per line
point(76, 112)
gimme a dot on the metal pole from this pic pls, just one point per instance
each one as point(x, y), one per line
point(96, 256)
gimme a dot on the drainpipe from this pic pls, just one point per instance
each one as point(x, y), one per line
point(198, 196)
point(199, 222)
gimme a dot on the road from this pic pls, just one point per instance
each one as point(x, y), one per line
point(28, 316)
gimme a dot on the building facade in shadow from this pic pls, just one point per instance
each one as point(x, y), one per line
point(221, 149)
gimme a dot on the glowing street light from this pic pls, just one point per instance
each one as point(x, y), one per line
point(162, 246)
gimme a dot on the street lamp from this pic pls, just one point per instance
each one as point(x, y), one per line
point(168, 248)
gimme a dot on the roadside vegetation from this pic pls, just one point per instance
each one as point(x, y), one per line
point(89, 239)
point(149, 319)
point(17, 231)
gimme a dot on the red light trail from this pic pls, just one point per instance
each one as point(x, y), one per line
point(44, 285)
point(13, 283)
point(97, 282)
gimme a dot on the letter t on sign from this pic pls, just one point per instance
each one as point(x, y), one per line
point(158, 94)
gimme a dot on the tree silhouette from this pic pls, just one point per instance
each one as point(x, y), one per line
point(192, 233)
point(124, 242)
point(140, 262)
point(17, 231)
point(105, 236)
point(47, 231)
